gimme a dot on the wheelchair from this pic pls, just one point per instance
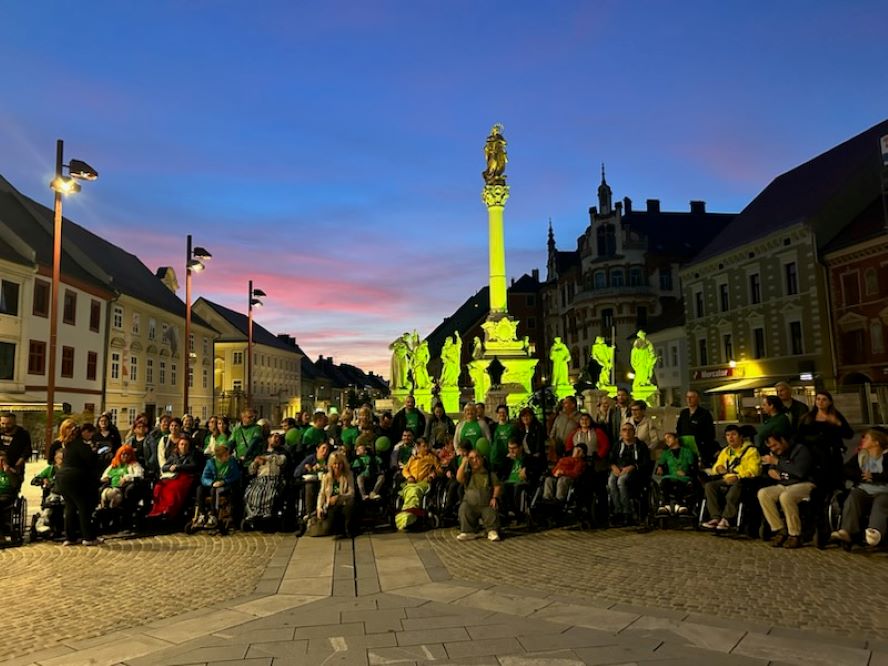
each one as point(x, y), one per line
point(219, 520)
point(14, 517)
point(426, 516)
point(129, 515)
point(577, 507)
point(693, 498)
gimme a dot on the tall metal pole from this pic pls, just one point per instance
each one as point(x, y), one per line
point(54, 296)
point(187, 323)
point(250, 346)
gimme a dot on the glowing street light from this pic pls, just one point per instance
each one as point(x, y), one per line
point(253, 302)
point(194, 263)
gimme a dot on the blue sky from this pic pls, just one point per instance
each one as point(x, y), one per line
point(332, 151)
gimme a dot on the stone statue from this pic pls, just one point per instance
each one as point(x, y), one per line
point(400, 361)
point(451, 353)
point(480, 379)
point(421, 379)
point(477, 349)
point(559, 354)
point(495, 154)
point(643, 360)
point(603, 355)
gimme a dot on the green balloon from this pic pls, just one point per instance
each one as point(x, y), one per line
point(482, 446)
point(383, 444)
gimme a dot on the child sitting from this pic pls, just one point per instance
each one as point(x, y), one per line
point(120, 476)
point(675, 475)
point(567, 470)
point(220, 474)
point(367, 468)
point(52, 504)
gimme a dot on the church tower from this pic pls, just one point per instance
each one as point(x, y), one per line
point(605, 196)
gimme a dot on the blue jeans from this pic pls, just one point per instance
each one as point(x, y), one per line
point(618, 489)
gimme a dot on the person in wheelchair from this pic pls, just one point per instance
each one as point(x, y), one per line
point(368, 471)
point(52, 505)
point(221, 475)
point(418, 475)
point(307, 475)
point(519, 475)
point(792, 468)
point(675, 474)
point(869, 473)
point(10, 483)
point(567, 470)
point(267, 470)
point(737, 463)
point(121, 479)
point(630, 467)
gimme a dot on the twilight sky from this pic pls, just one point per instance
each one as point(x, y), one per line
point(331, 151)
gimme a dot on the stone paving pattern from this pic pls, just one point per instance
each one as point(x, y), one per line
point(690, 572)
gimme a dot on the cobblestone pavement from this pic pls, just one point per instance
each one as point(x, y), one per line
point(695, 573)
point(53, 594)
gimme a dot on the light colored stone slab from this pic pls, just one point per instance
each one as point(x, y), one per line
point(199, 626)
point(398, 655)
point(803, 653)
point(558, 658)
point(500, 602)
point(302, 586)
point(135, 645)
point(586, 616)
point(443, 592)
point(719, 639)
point(275, 604)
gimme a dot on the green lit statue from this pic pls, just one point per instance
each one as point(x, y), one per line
point(495, 154)
point(421, 379)
point(480, 379)
point(400, 362)
point(643, 360)
point(559, 354)
point(603, 355)
point(451, 353)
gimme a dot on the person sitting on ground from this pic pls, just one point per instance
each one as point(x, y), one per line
point(52, 502)
point(335, 500)
point(267, 471)
point(630, 459)
point(120, 478)
point(793, 468)
point(480, 500)
point(402, 451)
point(177, 477)
point(869, 473)
point(676, 470)
point(309, 471)
point(220, 475)
point(739, 461)
point(776, 422)
point(368, 472)
point(567, 470)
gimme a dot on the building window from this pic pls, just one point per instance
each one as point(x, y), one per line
point(173, 374)
point(164, 338)
point(89, 408)
point(702, 352)
point(9, 298)
point(531, 300)
point(636, 277)
point(792, 278)
point(607, 240)
point(134, 368)
point(95, 315)
point(758, 341)
point(237, 358)
point(728, 347)
point(190, 376)
point(206, 347)
point(41, 298)
point(755, 289)
point(7, 360)
point(137, 324)
point(203, 413)
point(698, 304)
point(149, 371)
point(871, 282)
point(796, 344)
point(67, 362)
point(607, 320)
point(617, 277)
point(660, 362)
point(205, 379)
point(600, 280)
point(162, 373)
point(152, 329)
point(674, 354)
point(69, 310)
point(531, 324)
point(131, 414)
point(237, 386)
point(115, 365)
point(92, 363)
point(850, 288)
point(723, 300)
point(877, 340)
point(641, 316)
point(666, 279)
point(117, 318)
point(114, 414)
point(36, 357)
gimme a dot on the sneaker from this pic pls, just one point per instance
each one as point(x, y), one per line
point(723, 525)
point(373, 496)
point(42, 529)
point(840, 535)
point(91, 542)
point(873, 536)
point(212, 521)
point(711, 525)
point(664, 511)
point(493, 535)
point(681, 510)
point(466, 536)
point(69, 543)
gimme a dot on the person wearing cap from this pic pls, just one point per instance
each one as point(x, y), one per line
point(795, 409)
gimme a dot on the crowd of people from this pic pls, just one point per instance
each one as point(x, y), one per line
point(609, 465)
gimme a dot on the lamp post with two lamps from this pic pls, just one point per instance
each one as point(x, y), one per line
point(62, 186)
point(253, 301)
point(194, 258)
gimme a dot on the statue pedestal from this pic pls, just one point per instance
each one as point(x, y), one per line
point(398, 396)
point(449, 396)
point(645, 392)
point(609, 389)
point(563, 390)
point(423, 399)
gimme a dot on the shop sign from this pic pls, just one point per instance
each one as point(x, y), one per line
point(718, 373)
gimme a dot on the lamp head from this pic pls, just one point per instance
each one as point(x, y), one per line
point(195, 265)
point(65, 185)
point(201, 253)
point(255, 302)
point(259, 293)
point(82, 171)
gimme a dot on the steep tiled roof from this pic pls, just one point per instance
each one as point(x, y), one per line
point(261, 335)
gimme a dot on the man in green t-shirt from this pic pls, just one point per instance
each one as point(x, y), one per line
point(246, 435)
point(499, 445)
point(410, 418)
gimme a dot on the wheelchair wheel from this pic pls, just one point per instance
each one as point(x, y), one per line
point(190, 528)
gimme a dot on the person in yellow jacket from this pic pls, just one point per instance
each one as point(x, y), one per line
point(418, 472)
point(739, 460)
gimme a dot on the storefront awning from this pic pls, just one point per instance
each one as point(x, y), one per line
point(744, 385)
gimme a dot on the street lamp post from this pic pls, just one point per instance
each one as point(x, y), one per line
point(60, 185)
point(252, 300)
point(194, 258)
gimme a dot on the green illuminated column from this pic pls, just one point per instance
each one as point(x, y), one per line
point(495, 197)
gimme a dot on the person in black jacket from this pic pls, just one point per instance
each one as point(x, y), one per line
point(630, 461)
point(793, 471)
point(696, 421)
point(410, 418)
point(15, 442)
point(76, 481)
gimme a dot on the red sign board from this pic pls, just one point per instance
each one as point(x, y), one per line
point(716, 373)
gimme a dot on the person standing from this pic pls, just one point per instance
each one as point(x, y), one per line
point(76, 481)
point(409, 417)
point(696, 421)
point(795, 409)
point(15, 442)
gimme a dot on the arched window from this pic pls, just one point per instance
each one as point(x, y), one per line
point(636, 277)
point(618, 277)
point(600, 280)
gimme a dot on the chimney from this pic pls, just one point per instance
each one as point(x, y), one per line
point(627, 205)
point(653, 205)
point(535, 274)
point(513, 282)
point(698, 207)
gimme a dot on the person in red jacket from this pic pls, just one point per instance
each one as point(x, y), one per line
point(597, 444)
point(566, 472)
